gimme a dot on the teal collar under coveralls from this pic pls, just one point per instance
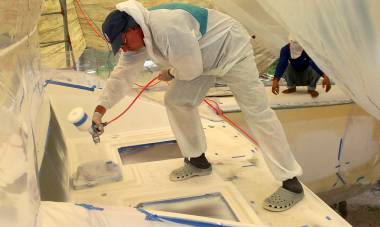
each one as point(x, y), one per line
point(200, 14)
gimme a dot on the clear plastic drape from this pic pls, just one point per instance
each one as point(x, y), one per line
point(342, 37)
point(20, 94)
point(269, 35)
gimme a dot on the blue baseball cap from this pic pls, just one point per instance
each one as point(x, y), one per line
point(114, 25)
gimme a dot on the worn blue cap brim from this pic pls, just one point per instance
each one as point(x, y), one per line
point(116, 44)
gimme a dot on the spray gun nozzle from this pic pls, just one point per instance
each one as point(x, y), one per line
point(96, 130)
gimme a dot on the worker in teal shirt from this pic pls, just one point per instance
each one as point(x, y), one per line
point(196, 46)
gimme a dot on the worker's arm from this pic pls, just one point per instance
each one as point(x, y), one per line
point(316, 68)
point(118, 84)
point(282, 62)
point(123, 76)
point(280, 68)
point(326, 84)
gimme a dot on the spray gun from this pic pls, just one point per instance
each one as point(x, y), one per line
point(96, 130)
point(81, 121)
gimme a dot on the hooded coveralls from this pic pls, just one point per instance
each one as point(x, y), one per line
point(200, 45)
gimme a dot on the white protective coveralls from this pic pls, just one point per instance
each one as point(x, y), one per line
point(173, 39)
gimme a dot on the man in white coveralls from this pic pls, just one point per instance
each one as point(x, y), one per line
point(197, 45)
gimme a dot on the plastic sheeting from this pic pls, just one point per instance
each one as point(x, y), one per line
point(342, 37)
point(270, 36)
point(20, 92)
point(51, 29)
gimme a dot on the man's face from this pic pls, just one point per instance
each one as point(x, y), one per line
point(132, 40)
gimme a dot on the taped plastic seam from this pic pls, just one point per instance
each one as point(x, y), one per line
point(8, 49)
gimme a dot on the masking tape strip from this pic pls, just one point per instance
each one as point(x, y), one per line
point(77, 86)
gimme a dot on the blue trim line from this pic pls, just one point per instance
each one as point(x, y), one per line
point(360, 178)
point(341, 178)
point(239, 156)
point(155, 217)
point(177, 200)
point(205, 196)
point(81, 121)
point(249, 165)
point(92, 88)
point(89, 206)
point(340, 148)
point(145, 145)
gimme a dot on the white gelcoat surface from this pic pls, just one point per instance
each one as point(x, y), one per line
point(239, 169)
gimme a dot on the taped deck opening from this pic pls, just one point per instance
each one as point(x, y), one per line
point(149, 152)
point(212, 205)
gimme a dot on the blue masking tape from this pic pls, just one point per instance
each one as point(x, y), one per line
point(205, 196)
point(340, 148)
point(239, 156)
point(146, 145)
point(149, 216)
point(341, 178)
point(81, 121)
point(92, 88)
point(249, 165)
point(155, 217)
point(88, 206)
point(360, 178)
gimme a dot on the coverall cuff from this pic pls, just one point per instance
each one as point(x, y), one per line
point(100, 109)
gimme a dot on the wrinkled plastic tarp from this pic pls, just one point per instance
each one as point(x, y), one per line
point(343, 38)
point(20, 94)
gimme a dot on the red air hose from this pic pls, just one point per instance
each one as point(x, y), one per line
point(219, 112)
point(216, 108)
point(134, 100)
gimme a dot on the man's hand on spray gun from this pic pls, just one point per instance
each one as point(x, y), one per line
point(97, 127)
point(165, 75)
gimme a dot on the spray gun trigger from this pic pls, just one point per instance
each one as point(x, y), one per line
point(96, 130)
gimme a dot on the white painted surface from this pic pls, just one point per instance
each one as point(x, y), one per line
point(239, 169)
point(327, 140)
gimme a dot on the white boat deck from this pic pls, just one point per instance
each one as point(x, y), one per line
point(299, 99)
point(240, 173)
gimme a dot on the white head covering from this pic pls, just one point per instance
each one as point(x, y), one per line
point(295, 48)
